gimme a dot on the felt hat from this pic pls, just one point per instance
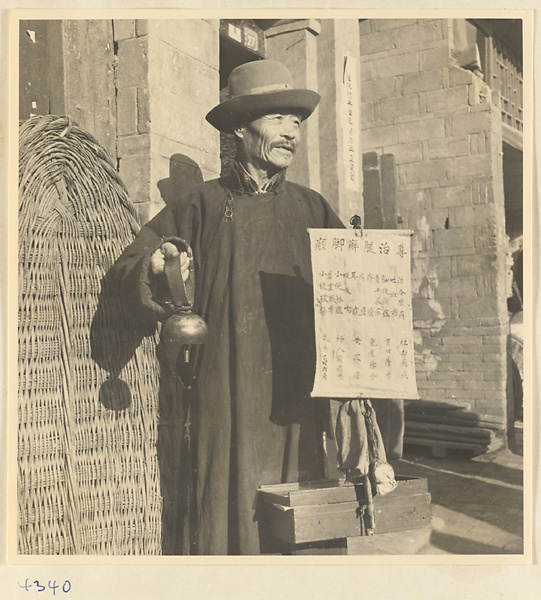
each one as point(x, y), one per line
point(260, 87)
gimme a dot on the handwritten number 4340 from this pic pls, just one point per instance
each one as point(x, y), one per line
point(66, 586)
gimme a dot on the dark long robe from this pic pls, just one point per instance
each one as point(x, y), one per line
point(253, 421)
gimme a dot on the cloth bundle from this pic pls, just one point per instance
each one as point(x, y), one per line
point(361, 451)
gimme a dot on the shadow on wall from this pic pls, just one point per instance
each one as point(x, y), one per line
point(133, 329)
point(184, 175)
point(116, 334)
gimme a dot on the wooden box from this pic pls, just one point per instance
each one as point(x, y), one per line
point(298, 513)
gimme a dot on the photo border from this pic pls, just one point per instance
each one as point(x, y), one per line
point(443, 560)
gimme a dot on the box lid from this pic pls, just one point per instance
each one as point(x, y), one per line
point(330, 491)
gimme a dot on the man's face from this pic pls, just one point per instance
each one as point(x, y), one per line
point(269, 142)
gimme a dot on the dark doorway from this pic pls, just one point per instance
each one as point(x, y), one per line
point(241, 41)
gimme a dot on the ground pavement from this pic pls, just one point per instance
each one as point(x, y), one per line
point(477, 502)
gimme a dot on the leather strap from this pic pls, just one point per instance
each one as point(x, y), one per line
point(182, 293)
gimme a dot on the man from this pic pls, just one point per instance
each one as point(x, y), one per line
point(252, 419)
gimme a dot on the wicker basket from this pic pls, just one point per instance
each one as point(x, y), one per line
point(88, 478)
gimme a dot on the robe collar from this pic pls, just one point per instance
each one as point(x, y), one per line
point(241, 182)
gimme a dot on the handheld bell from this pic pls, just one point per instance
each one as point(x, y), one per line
point(183, 329)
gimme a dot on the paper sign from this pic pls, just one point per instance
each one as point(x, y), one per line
point(363, 314)
point(351, 122)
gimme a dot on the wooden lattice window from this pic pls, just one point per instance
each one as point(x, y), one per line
point(505, 77)
point(502, 66)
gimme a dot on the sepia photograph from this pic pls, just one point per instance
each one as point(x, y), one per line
point(270, 288)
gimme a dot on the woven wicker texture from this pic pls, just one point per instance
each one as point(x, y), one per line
point(88, 478)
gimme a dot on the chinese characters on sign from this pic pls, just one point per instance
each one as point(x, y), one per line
point(363, 314)
point(350, 122)
point(234, 32)
point(250, 39)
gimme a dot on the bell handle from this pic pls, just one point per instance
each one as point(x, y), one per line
point(177, 287)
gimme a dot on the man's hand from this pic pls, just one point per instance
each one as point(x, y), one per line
point(165, 252)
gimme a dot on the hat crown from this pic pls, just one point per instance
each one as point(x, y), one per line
point(259, 87)
point(259, 77)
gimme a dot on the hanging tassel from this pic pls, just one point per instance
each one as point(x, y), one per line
point(381, 472)
point(352, 441)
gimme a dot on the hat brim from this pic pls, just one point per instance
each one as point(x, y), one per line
point(228, 114)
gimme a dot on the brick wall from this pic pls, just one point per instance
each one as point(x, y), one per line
point(167, 80)
point(131, 50)
point(437, 121)
point(142, 88)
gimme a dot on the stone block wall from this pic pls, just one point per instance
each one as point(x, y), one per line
point(437, 121)
point(167, 80)
point(131, 51)
point(183, 81)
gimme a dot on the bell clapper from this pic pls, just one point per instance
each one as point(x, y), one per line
point(186, 353)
